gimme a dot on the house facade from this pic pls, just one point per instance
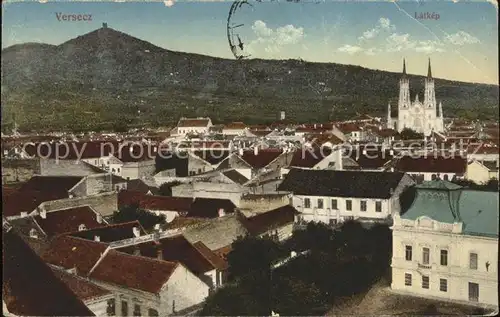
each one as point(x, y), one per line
point(446, 245)
point(481, 172)
point(331, 197)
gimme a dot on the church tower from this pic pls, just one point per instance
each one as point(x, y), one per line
point(404, 102)
point(430, 94)
point(404, 90)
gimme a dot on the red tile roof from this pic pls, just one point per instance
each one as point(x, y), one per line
point(431, 164)
point(270, 220)
point(235, 125)
point(175, 249)
point(136, 152)
point(348, 127)
point(187, 123)
point(309, 157)
point(263, 157)
point(27, 201)
point(82, 288)
point(72, 150)
point(482, 149)
point(51, 183)
point(136, 272)
point(260, 133)
point(30, 288)
point(151, 202)
point(68, 220)
point(111, 233)
point(216, 261)
point(70, 252)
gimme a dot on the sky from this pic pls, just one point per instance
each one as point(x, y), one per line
point(460, 37)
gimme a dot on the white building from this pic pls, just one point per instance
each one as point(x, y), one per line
point(446, 244)
point(480, 172)
point(192, 126)
point(331, 196)
point(418, 116)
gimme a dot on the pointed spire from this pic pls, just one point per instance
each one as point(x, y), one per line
point(429, 73)
point(404, 67)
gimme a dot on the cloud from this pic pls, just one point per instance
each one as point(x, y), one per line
point(383, 24)
point(429, 47)
point(350, 49)
point(169, 3)
point(272, 41)
point(402, 42)
point(372, 51)
point(461, 38)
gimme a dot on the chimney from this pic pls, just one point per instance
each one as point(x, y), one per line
point(43, 214)
point(97, 238)
point(339, 159)
point(104, 25)
point(159, 252)
point(99, 218)
point(240, 151)
point(157, 227)
point(136, 231)
point(221, 212)
point(256, 150)
point(364, 152)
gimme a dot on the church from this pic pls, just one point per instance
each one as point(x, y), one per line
point(422, 117)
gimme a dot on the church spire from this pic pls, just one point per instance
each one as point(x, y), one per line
point(404, 67)
point(389, 119)
point(429, 73)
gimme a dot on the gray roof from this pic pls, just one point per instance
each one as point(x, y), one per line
point(217, 233)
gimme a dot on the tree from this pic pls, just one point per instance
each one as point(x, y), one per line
point(253, 256)
point(293, 297)
point(491, 185)
point(409, 134)
point(233, 300)
point(133, 212)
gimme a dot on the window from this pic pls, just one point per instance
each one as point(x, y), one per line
point(473, 261)
point(443, 285)
point(473, 292)
point(445, 177)
point(425, 255)
point(378, 206)
point(348, 205)
point(124, 308)
point(137, 310)
point(434, 177)
point(362, 206)
point(117, 188)
point(152, 312)
point(307, 203)
point(118, 170)
point(333, 222)
point(407, 279)
point(81, 227)
point(334, 204)
point(113, 170)
point(320, 203)
point(425, 282)
point(110, 309)
point(444, 257)
point(408, 253)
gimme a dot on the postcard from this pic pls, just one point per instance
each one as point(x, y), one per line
point(250, 157)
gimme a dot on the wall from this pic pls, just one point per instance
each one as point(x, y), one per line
point(258, 203)
point(197, 165)
point(183, 190)
point(324, 215)
point(479, 174)
point(135, 170)
point(99, 305)
point(457, 271)
point(105, 203)
point(19, 170)
point(219, 190)
point(185, 289)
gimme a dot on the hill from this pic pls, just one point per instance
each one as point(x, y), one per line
point(107, 79)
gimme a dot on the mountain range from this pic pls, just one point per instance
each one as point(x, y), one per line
point(107, 79)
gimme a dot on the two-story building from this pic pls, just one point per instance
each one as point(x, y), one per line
point(445, 245)
point(331, 196)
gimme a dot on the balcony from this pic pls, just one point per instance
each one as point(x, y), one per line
point(424, 266)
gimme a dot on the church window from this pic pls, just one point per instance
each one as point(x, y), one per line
point(445, 177)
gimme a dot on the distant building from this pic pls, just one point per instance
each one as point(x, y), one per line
point(187, 126)
point(418, 116)
point(481, 172)
point(446, 244)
